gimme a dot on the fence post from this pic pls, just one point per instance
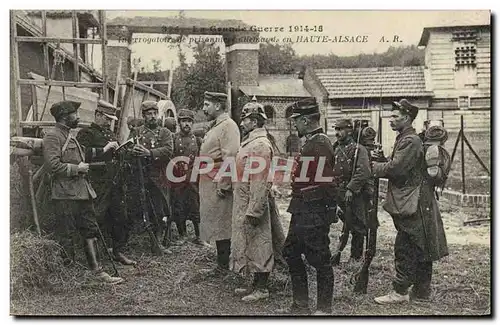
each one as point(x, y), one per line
point(462, 152)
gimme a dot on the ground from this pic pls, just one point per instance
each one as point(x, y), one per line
point(171, 285)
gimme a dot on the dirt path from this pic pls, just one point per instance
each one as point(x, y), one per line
point(172, 285)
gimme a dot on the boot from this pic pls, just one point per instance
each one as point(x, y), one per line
point(104, 277)
point(257, 294)
point(300, 291)
point(120, 257)
point(196, 240)
point(90, 248)
point(324, 276)
point(392, 298)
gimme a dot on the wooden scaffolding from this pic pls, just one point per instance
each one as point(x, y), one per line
point(54, 42)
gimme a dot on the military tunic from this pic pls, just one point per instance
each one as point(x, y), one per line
point(109, 185)
point(185, 195)
point(72, 193)
point(356, 182)
point(310, 225)
point(160, 143)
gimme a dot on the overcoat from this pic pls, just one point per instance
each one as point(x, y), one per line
point(252, 246)
point(221, 143)
point(410, 197)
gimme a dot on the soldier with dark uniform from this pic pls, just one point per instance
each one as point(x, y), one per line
point(104, 178)
point(185, 195)
point(313, 208)
point(72, 193)
point(352, 173)
point(154, 145)
point(421, 239)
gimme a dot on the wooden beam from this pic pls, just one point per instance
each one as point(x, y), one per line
point(117, 82)
point(46, 124)
point(170, 78)
point(46, 59)
point(145, 88)
point(59, 83)
point(76, 49)
point(15, 58)
point(45, 39)
point(147, 82)
point(34, 102)
point(104, 50)
point(123, 130)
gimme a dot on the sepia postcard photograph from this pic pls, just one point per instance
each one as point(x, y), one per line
point(304, 163)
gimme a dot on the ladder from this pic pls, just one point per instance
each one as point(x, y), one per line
point(54, 43)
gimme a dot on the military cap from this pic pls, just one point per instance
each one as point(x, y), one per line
point(405, 107)
point(149, 105)
point(170, 124)
point(185, 114)
point(343, 123)
point(64, 107)
point(369, 133)
point(218, 97)
point(253, 109)
point(107, 109)
point(304, 107)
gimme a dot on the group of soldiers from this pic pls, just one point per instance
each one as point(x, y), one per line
point(94, 183)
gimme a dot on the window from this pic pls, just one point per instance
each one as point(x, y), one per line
point(269, 110)
point(465, 58)
point(463, 102)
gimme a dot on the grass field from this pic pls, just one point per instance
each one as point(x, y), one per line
point(172, 285)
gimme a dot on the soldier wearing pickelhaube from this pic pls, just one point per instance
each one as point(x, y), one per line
point(313, 208)
point(103, 175)
point(154, 144)
point(352, 173)
point(252, 242)
point(185, 195)
point(72, 193)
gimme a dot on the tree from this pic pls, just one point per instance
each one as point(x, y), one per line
point(276, 59)
point(206, 73)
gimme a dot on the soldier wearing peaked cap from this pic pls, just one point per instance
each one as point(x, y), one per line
point(103, 176)
point(185, 195)
point(313, 209)
point(72, 193)
point(154, 144)
point(412, 205)
point(221, 142)
point(352, 176)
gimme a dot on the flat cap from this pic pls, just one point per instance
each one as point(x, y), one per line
point(218, 97)
point(149, 105)
point(185, 114)
point(64, 107)
point(253, 109)
point(304, 107)
point(107, 109)
point(405, 107)
point(343, 123)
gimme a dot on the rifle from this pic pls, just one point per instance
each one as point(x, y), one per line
point(344, 236)
point(156, 248)
point(360, 278)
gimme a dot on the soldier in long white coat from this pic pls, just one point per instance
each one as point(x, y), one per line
point(221, 144)
point(252, 242)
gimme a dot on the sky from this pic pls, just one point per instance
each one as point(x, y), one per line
point(372, 25)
